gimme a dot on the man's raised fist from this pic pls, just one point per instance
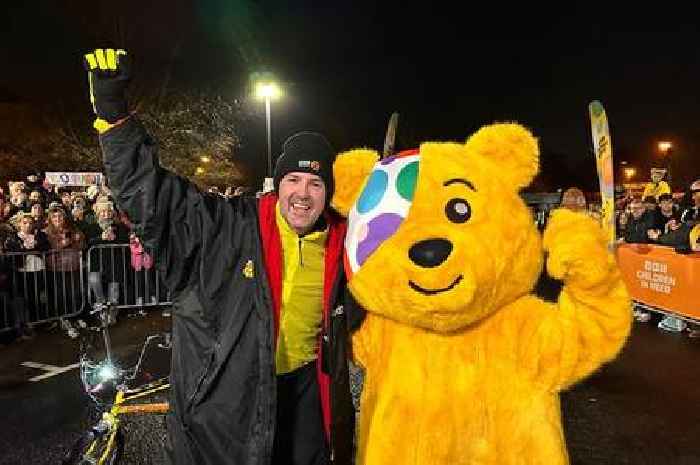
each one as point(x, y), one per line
point(108, 75)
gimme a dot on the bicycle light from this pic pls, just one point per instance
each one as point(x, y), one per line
point(107, 372)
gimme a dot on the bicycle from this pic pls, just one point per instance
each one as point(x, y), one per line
point(109, 387)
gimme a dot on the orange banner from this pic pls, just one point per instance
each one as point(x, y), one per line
point(659, 277)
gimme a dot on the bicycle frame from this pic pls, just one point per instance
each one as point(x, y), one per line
point(109, 424)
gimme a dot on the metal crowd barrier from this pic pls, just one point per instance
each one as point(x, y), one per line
point(127, 286)
point(6, 321)
point(660, 279)
point(37, 287)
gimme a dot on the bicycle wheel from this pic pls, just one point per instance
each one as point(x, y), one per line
point(95, 450)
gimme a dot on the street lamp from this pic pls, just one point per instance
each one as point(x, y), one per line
point(665, 148)
point(268, 91)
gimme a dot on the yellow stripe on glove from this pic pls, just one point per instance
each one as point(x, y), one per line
point(104, 59)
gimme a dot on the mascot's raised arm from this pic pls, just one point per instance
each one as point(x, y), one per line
point(463, 365)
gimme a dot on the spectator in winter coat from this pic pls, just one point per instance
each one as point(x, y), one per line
point(67, 242)
point(16, 188)
point(37, 211)
point(27, 238)
point(649, 204)
point(664, 219)
point(636, 223)
point(20, 202)
point(81, 220)
point(28, 268)
point(65, 239)
point(107, 227)
point(692, 213)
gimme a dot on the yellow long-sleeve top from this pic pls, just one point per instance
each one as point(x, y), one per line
point(302, 296)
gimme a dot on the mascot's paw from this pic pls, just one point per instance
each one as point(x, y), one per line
point(577, 249)
point(348, 169)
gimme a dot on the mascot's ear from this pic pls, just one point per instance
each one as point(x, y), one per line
point(512, 147)
point(350, 172)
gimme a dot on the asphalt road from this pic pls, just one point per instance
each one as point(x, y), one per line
point(642, 409)
point(42, 418)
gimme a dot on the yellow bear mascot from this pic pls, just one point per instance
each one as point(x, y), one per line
point(462, 364)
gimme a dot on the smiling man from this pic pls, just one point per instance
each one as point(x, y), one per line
point(259, 340)
point(304, 180)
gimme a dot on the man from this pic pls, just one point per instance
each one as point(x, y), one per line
point(259, 343)
point(692, 213)
point(636, 223)
point(678, 235)
point(650, 204)
point(106, 228)
point(664, 219)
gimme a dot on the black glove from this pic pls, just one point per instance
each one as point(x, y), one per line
point(108, 75)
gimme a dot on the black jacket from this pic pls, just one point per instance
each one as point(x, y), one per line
point(659, 220)
point(691, 214)
point(636, 229)
point(14, 243)
point(223, 392)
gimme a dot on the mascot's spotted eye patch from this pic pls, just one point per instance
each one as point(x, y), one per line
point(381, 207)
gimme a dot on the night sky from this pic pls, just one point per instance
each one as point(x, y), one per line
point(348, 65)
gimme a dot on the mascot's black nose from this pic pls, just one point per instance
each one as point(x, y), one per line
point(430, 253)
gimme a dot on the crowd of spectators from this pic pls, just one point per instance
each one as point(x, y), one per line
point(44, 229)
point(57, 224)
point(659, 218)
point(662, 220)
point(36, 216)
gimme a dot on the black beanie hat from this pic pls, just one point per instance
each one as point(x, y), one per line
point(306, 152)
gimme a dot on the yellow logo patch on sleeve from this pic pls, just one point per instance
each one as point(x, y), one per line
point(249, 270)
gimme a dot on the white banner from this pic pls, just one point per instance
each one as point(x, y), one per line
point(67, 178)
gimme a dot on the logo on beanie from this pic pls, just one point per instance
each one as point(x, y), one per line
point(314, 165)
